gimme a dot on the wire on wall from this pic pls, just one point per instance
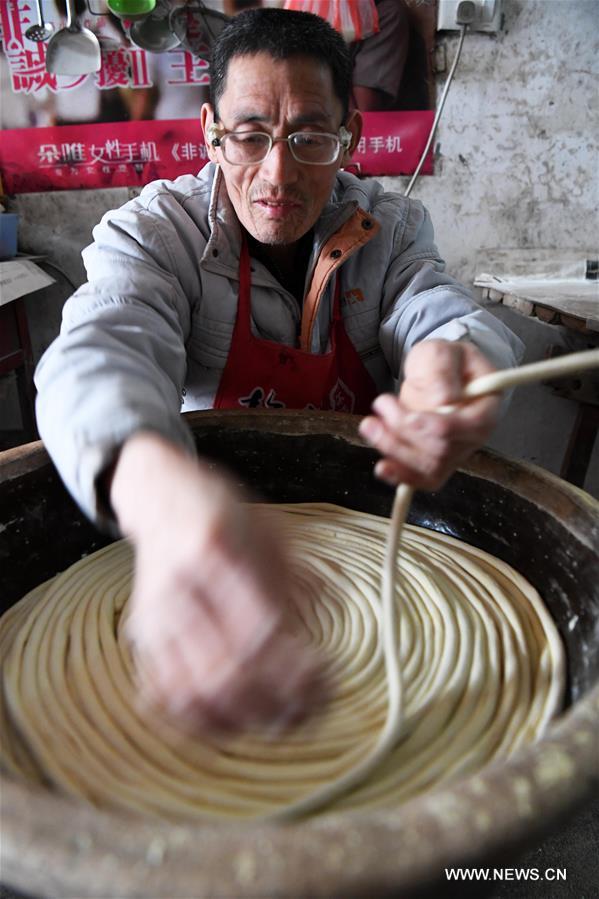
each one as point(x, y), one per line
point(437, 118)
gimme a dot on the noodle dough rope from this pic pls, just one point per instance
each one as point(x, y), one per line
point(482, 668)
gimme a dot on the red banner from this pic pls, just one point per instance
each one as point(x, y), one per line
point(68, 132)
point(129, 154)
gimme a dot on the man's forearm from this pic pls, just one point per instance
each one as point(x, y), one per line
point(140, 481)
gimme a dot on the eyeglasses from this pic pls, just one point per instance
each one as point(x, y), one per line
point(252, 147)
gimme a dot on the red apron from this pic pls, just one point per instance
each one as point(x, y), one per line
point(265, 374)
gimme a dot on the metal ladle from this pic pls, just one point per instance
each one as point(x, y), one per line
point(73, 50)
point(41, 31)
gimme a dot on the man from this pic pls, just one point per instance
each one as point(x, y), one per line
point(272, 279)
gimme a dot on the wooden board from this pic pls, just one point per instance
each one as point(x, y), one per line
point(544, 283)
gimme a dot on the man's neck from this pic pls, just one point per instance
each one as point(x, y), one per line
point(287, 263)
point(281, 258)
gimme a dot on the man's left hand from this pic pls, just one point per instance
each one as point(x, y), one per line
point(420, 446)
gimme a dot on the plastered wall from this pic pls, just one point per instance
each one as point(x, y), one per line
point(517, 146)
point(517, 166)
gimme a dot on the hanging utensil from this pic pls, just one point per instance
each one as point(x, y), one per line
point(41, 31)
point(153, 32)
point(197, 27)
point(74, 50)
point(130, 9)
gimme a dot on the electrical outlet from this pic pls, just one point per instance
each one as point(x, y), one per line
point(487, 15)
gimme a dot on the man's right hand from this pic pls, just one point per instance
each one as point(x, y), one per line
point(210, 597)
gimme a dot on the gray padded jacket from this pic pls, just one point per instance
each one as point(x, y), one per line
point(148, 335)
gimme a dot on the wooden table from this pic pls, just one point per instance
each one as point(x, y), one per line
point(558, 288)
point(16, 356)
point(19, 278)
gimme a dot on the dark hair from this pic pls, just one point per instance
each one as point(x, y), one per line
point(282, 34)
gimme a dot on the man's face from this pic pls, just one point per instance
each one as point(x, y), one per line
point(279, 200)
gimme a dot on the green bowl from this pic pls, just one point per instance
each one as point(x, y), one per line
point(131, 9)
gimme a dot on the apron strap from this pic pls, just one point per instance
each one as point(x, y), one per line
point(243, 327)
